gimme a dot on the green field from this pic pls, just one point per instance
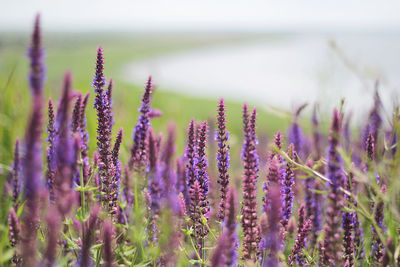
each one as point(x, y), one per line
point(76, 53)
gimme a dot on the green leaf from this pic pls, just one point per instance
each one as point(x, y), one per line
point(6, 256)
point(319, 191)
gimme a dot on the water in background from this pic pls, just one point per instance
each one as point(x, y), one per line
point(286, 71)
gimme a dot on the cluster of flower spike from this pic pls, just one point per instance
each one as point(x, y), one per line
point(155, 208)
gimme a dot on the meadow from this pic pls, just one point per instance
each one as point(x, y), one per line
point(87, 180)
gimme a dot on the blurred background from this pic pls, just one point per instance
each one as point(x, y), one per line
point(276, 55)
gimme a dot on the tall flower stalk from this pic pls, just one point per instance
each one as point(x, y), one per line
point(32, 161)
point(102, 107)
point(250, 163)
point(223, 158)
point(303, 230)
point(14, 175)
point(331, 250)
point(138, 157)
point(287, 191)
point(190, 155)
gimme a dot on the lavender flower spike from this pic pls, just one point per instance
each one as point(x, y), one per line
point(108, 251)
point(304, 228)
point(89, 236)
point(84, 140)
point(348, 228)
point(222, 158)
point(14, 175)
point(331, 250)
point(53, 225)
point(103, 130)
point(138, 158)
point(37, 68)
point(76, 114)
point(230, 226)
point(287, 190)
point(249, 211)
point(155, 187)
point(32, 164)
point(14, 234)
point(51, 157)
point(296, 135)
point(190, 157)
point(110, 102)
point(116, 178)
point(198, 207)
point(201, 157)
point(271, 241)
point(218, 257)
point(65, 151)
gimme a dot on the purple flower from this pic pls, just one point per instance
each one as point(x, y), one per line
point(32, 165)
point(84, 140)
point(317, 136)
point(155, 187)
point(167, 153)
point(313, 206)
point(116, 177)
point(274, 176)
point(14, 174)
point(278, 141)
point(14, 233)
point(296, 135)
point(370, 147)
point(66, 154)
point(90, 226)
point(250, 176)
point(287, 189)
point(51, 157)
point(108, 247)
point(218, 258)
point(181, 183)
point(190, 156)
point(110, 102)
point(348, 228)
point(201, 157)
point(230, 226)
point(331, 251)
point(271, 242)
point(37, 68)
point(374, 120)
point(198, 208)
point(53, 225)
point(377, 249)
point(304, 228)
point(169, 147)
point(76, 114)
point(223, 158)
point(103, 131)
point(138, 157)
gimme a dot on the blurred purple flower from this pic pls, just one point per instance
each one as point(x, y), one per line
point(332, 230)
point(108, 247)
point(271, 242)
point(37, 67)
point(14, 175)
point(32, 165)
point(84, 140)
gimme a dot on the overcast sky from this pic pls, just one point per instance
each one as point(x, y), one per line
point(230, 15)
